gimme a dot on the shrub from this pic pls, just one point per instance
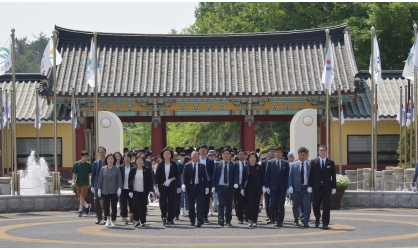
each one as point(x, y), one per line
point(342, 182)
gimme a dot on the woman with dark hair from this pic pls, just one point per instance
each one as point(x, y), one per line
point(119, 159)
point(140, 185)
point(110, 187)
point(165, 186)
point(124, 200)
point(252, 188)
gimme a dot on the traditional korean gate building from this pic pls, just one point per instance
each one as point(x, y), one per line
point(193, 78)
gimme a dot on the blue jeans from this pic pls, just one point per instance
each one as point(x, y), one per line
point(184, 199)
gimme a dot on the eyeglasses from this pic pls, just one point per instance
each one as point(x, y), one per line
point(322, 150)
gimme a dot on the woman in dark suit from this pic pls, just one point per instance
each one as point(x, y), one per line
point(165, 185)
point(253, 185)
point(140, 186)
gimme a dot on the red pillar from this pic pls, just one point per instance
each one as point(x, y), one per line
point(158, 138)
point(247, 139)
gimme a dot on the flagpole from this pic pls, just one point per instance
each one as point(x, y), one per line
point(55, 176)
point(339, 130)
point(37, 124)
point(15, 189)
point(375, 139)
point(405, 129)
point(7, 134)
point(327, 97)
point(372, 114)
point(400, 127)
point(96, 102)
point(411, 128)
point(415, 97)
point(72, 125)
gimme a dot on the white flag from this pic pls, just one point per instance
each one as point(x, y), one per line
point(408, 70)
point(377, 64)
point(328, 73)
point(5, 56)
point(341, 112)
point(7, 112)
point(38, 113)
point(401, 117)
point(90, 67)
point(74, 112)
point(4, 108)
point(48, 57)
point(376, 111)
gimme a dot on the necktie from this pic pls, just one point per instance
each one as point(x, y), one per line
point(323, 164)
point(225, 173)
point(302, 175)
point(194, 174)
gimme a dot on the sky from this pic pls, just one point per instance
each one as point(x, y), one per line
point(31, 18)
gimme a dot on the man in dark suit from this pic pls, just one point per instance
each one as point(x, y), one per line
point(322, 183)
point(267, 195)
point(239, 200)
point(225, 183)
point(196, 186)
point(277, 182)
point(209, 166)
point(298, 186)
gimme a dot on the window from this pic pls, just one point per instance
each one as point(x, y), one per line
point(359, 149)
point(26, 145)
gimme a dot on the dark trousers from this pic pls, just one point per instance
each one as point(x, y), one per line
point(278, 198)
point(178, 202)
point(99, 214)
point(168, 202)
point(124, 201)
point(267, 204)
point(321, 196)
point(206, 201)
point(195, 196)
point(239, 202)
point(225, 200)
point(301, 204)
point(251, 209)
point(113, 199)
point(140, 206)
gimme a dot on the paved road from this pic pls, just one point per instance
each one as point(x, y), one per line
point(349, 228)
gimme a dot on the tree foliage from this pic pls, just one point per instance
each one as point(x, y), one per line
point(29, 54)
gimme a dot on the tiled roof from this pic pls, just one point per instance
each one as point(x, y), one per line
point(275, 63)
point(26, 85)
point(387, 97)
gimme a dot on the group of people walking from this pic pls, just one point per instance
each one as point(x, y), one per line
point(241, 183)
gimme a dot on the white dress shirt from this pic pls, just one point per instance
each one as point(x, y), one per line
point(167, 171)
point(241, 168)
point(322, 160)
point(125, 183)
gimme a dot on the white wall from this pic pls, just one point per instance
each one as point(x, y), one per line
point(303, 134)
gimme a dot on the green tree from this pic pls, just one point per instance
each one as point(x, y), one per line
point(29, 54)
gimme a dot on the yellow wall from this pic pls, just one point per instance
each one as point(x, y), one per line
point(356, 128)
point(47, 130)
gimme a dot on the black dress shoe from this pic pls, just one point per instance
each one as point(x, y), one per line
point(296, 222)
point(199, 223)
point(164, 222)
point(317, 223)
point(325, 226)
point(228, 224)
point(280, 224)
point(221, 222)
point(172, 222)
point(305, 225)
point(177, 218)
point(206, 221)
point(192, 224)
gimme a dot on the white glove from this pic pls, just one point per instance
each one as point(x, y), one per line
point(264, 189)
point(309, 189)
point(92, 190)
point(157, 192)
point(333, 191)
point(131, 195)
point(99, 193)
point(178, 190)
point(236, 186)
point(183, 188)
point(290, 190)
point(119, 191)
point(242, 192)
point(206, 190)
point(213, 190)
point(268, 190)
point(167, 182)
